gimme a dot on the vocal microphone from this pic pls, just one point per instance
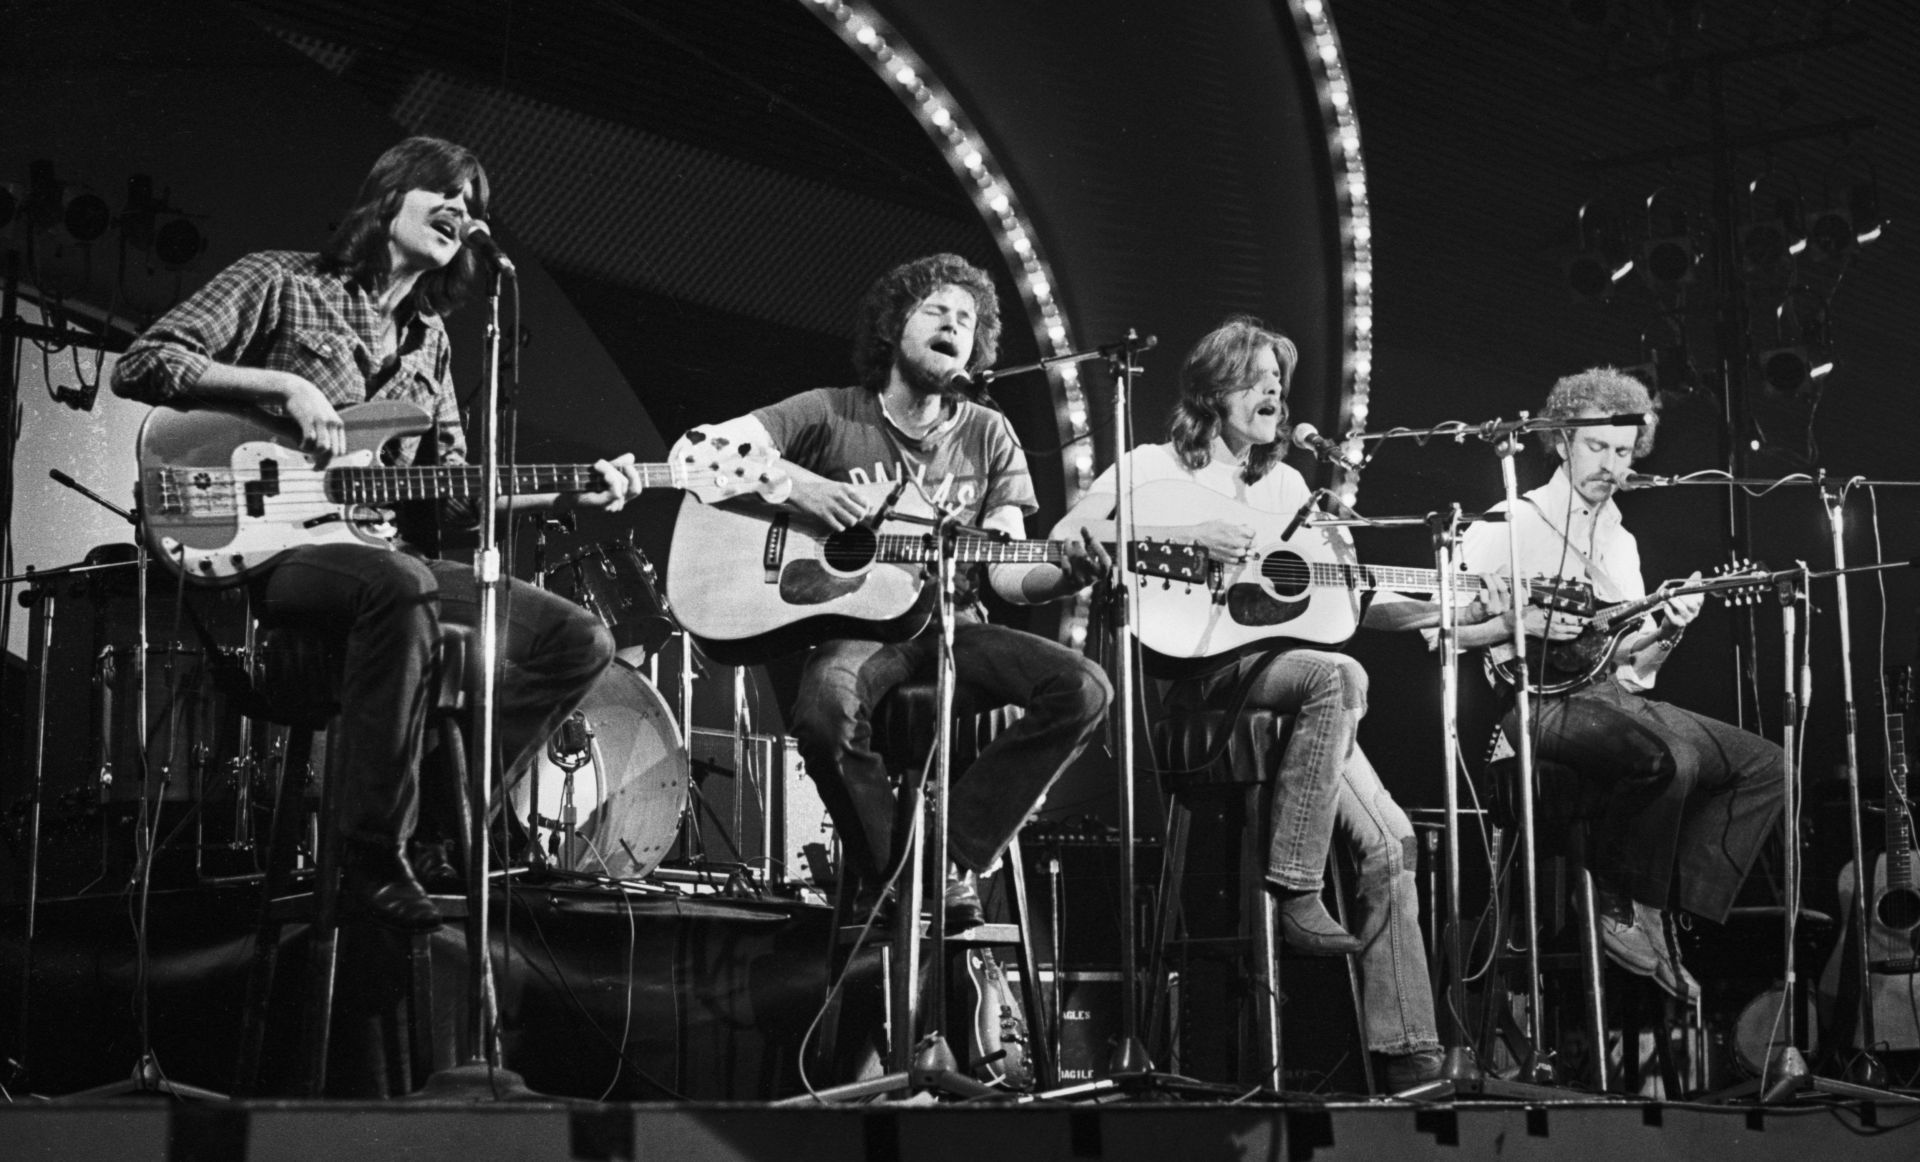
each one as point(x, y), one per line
point(475, 236)
point(1634, 480)
point(1308, 438)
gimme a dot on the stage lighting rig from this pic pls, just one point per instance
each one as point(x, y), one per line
point(150, 224)
point(1850, 217)
point(1671, 253)
point(1773, 232)
point(1603, 257)
point(1804, 354)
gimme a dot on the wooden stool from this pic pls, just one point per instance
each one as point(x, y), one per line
point(903, 733)
point(1229, 768)
point(1564, 802)
point(298, 686)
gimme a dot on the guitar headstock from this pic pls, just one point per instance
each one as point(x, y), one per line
point(1746, 580)
point(1897, 689)
point(1570, 595)
point(714, 467)
point(1173, 560)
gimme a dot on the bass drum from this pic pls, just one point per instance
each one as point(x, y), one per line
point(628, 789)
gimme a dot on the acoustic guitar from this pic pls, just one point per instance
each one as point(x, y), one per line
point(753, 581)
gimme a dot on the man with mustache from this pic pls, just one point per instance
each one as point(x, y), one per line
point(1688, 800)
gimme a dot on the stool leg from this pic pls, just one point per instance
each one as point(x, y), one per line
point(1031, 994)
point(282, 841)
point(1166, 918)
point(324, 938)
point(1592, 968)
point(1257, 918)
point(1338, 879)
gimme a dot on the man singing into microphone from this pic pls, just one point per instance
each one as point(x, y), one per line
point(1689, 800)
point(1225, 436)
point(919, 330)
point(301, 337)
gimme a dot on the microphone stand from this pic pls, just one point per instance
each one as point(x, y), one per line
point(1461, 1075)
point(482, 1076)
point(1864, 1069)
point(1129, 1052)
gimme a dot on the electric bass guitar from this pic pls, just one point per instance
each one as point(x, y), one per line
point(1578, 662)
point(1893, 914)
point(753, 582)
point(1302, 588)
point(225, 492)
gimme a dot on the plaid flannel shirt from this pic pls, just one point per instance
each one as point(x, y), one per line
point(276, 309)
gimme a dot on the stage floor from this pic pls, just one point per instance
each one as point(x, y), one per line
point(1123, 1132)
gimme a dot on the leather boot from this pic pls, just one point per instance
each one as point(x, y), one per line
point(376, 875)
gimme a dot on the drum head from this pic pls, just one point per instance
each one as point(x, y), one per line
point(629, 795)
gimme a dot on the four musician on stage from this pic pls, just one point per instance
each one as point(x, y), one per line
point(1686, 801)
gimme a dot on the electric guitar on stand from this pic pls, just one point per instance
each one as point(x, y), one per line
point(225, 492)
point(753, 582)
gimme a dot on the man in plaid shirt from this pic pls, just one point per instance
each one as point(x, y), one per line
point(303, 335)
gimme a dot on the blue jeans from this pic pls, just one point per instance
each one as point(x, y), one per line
point(386, 607)
point(1326, 784)
point(1687, 799)
point(1065, 697)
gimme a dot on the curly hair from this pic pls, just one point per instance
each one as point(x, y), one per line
point(884, 308)
point(358, 246)
point(1607, 391)
point(1220, 364)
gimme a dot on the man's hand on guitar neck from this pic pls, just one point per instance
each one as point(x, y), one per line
point(624, 482)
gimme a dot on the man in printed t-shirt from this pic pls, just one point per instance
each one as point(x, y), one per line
point(921, 327)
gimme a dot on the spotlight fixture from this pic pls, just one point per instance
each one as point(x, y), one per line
point(151, 224)
point(1602, 258)
point(1850, 217)
point(1669, 256)
point(1773, 231)
point(1803, 355)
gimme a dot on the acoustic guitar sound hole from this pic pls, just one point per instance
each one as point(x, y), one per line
point(1898, 909)
point(1287, 573)
point(851, 550)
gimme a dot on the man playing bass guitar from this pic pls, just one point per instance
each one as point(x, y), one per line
point(1224, 453)
point(302, 336)
point(1688, 800)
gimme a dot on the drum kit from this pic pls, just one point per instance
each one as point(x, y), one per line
point(607, 797)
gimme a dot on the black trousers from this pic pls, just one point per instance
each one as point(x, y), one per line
point(386, 607)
